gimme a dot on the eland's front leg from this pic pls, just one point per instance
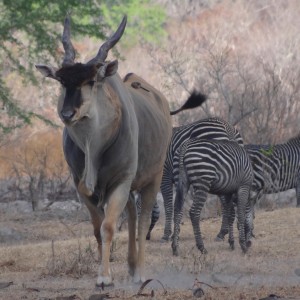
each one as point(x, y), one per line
point(115, 206)
point(97, 216)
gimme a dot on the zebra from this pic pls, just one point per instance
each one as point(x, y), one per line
point(276, 168)
point(154, 215)
point(211, 128)
point(216, 167)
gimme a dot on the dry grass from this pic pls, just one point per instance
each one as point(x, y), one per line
point(68, 266)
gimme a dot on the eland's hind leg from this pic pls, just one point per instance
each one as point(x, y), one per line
point(148, 198)
point(132, 218)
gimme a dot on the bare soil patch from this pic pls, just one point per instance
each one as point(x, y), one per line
point(56, 257)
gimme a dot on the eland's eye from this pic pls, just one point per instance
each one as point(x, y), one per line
point(91, 83)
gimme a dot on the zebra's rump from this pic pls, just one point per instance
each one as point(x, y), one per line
point(220, 166)
point(276, 167)
point(207, 129)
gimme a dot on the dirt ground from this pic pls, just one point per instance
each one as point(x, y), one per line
point(54, 257)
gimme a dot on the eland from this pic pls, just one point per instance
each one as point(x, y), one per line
point(115, 140)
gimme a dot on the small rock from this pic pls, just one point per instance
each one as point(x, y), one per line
point(10, 235)
point(271, 297)
point(98, 297)
point(5, 284)
point(198, 292)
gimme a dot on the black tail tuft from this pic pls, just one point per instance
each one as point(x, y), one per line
point(196, 99)
point(179, 198)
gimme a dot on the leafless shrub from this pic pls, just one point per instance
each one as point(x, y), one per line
point(198, 262)
point(36, 175)
point(249, 69)
point(75, 263)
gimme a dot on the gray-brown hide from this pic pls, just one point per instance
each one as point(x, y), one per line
point(115, 141)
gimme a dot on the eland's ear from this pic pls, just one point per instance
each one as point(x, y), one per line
point(47, 71)
point(108, 69)
point(111, 68)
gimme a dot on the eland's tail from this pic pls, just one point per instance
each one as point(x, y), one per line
point(196, 99)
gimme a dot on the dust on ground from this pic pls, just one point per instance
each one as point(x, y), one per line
point(54, 255)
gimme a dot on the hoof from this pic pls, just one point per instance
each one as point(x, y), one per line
point(137, 279)
point(131, 272)
point(244, 249)
point(249, 244)
point(104, 281)
point(112, 257)
point(175, 250)
point(164, 240)
point(202, 250)
point(104, 285)
point(219, 239)
point(231, 245)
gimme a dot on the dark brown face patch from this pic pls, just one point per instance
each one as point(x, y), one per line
point(76, 75)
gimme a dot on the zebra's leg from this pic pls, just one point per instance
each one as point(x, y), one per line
point(253, 200)
point(243, 197)
point(154, 218)
point(249, 222)
point(177, 221)
point(167, 193)
point(249, 217)
point(231, 218)
point(181, 191)
point(224, 227)
point(298, 191)
point(199, 198)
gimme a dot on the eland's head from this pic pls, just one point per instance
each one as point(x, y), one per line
point(80, 82)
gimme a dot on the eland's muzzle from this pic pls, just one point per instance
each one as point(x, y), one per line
point(67, 115)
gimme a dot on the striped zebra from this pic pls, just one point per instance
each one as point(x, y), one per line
point(276, 168)
point(154, 216)
point(216, 167)
point(210, 129)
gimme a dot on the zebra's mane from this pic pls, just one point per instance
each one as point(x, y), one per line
point(294, 139)
point(209, 119)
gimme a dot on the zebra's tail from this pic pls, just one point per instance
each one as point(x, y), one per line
point(182, 183)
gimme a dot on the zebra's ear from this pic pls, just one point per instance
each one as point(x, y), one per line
point(47, 71)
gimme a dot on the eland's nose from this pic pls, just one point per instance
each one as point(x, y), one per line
point(67, 115)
